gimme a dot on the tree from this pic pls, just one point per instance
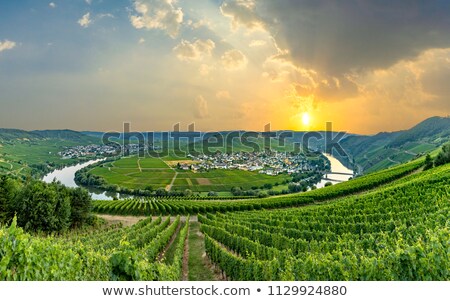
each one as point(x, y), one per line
point(428, 162)
point(295, 187)
point(41, 207)
point(81, 204)
point(187, 192)
point(267, 186)
point(444, 156)
point(328, 184)
point(160, 192)
point(8, 190)
point(212, 193)
point(236, 190)
point(262, 194)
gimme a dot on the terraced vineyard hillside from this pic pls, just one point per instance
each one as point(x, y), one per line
point(389, 225)
point(396, 233)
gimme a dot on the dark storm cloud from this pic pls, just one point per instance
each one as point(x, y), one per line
point(336, 37)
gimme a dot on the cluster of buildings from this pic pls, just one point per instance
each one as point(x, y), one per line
point(88, 150)
point(105, 150)
point(270, 163)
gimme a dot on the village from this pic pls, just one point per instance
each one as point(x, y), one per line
point(88, 151)
point(269, 163)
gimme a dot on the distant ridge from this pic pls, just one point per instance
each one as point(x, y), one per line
point(366, 153)
point(434, 127)
point(13, 134)
point(371, 153)
point(60, 134)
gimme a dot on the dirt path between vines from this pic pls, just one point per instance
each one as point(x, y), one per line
point(185, 270)
point(200, 267)
point(169, 244)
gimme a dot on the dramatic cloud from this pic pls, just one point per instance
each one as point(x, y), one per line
point(7, 45)
point(242, 13)
point(280, 69)
point(194, 51)
point(308, 83)
point(234, 60)
point(200, 107)
point(419, 84)
point(337, 38)
point(85, 21)
point(335, 89)
point(152, 14)
point(365, 65)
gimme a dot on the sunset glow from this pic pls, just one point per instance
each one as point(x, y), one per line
point(222, 64)
point(306, 119)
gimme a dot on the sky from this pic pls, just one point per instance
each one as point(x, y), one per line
point(365, 66)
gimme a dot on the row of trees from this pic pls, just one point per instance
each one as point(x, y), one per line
point(298, 183)
point(43, 207)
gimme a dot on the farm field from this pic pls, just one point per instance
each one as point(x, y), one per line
point(141, 173)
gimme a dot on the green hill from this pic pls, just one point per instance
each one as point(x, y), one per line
point(36, 152)
point(63, 135)
point(16, 134)
point(372, 153)
point(434, 129)
point(11, 134)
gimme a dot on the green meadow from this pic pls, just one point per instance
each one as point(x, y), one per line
point(142, 173)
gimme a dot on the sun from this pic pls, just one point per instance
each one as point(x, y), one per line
point(306, 119)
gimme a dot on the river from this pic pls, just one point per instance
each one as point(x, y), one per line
point(67, 177)
point(336, 167)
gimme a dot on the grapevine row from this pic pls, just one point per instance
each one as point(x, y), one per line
point(400, 232)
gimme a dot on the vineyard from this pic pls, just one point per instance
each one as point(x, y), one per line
point(115, 253)
point(389, 225)
point(396, 233)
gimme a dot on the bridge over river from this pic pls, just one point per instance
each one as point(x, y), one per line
point(327, 178)
point(339, 173)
